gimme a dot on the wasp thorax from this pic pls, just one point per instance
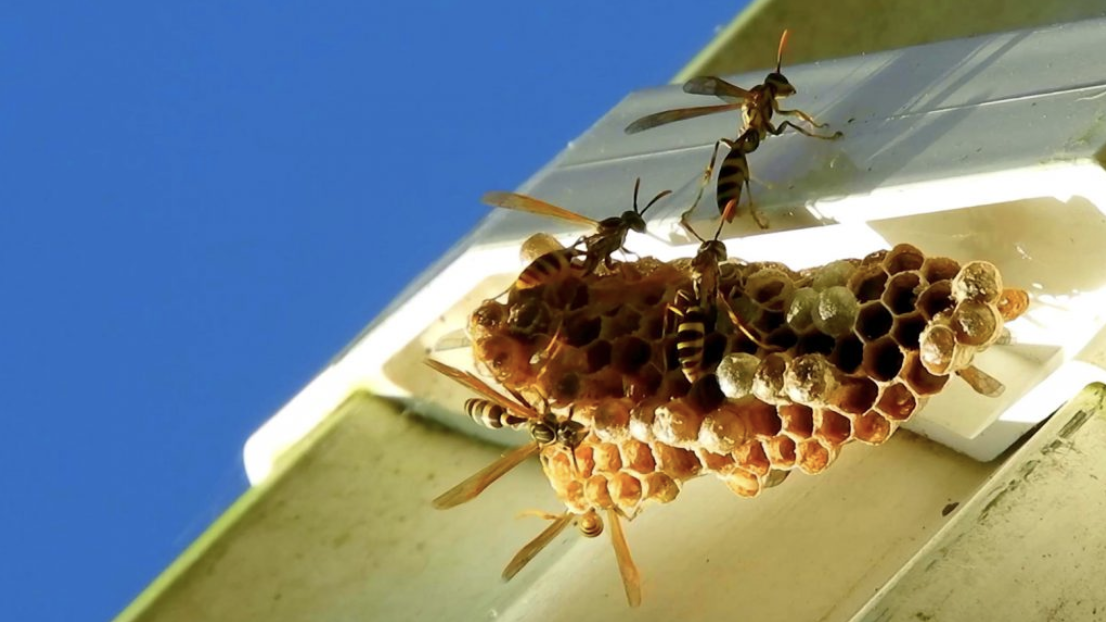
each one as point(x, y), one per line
point(977, 280)
point(543, 432)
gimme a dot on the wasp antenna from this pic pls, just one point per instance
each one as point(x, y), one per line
point(637, 185)
point(779, 52)
point(660, 196)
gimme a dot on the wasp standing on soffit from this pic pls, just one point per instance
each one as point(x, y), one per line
point(757, 105)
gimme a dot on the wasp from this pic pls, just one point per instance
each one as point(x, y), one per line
point(733, 176)
point(758, 105)
point(694, 308)
point(599, 247)
point(496, 411)
point(590, 524)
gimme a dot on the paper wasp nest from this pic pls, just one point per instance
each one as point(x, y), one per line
point(847, 351)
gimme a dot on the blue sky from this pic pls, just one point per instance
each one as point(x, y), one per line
point(200, 203)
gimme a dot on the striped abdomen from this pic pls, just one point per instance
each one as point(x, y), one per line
point(690, 339)
point(732, 175)
point(492, 415)
point(549, 267)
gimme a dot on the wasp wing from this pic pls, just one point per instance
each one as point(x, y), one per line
point(631, 578)
point(523, 203)
point(469, 380)
point(536, 545)
point(679, 114)
point(711, 85)
point(982, 382)
point(473, 486)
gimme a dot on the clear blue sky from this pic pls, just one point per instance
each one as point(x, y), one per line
point(200, 203)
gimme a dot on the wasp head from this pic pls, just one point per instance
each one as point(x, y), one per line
point(779, 85)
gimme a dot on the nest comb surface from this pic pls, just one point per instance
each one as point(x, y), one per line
point(847, 351)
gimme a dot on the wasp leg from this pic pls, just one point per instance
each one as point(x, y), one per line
point(708, 173)
point(802, 115)
point(776, 131)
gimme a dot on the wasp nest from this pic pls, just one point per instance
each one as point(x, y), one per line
point(799, 365)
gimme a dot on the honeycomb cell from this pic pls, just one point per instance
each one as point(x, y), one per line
point(659, 487)
point(867, 283)
point(815, 343)
point(854, 396)
point(610, 419)
point(714, 462)
point(883, 360)
point(598, 355)
point(606, 457)
point(574, 293)
point(797, 420)
point(705, 394)
point(642, 417)
point(743, 483)
point(906, 329)
point(679, 463)
point(836, 311)
point(813, 457)
point(637, 457)
point(835, 273)
point(848, 353)
point(938, 349)
point(834, 429)
point(873, 321)
point(629, 354)
point(506, 359)
point(581, 328)
point(752, 457)
point(761, 419)
point(528, 316)
point(936, 299)
point(783, 338)
point(872, 428)
point(487, 316)
point(902, 291)
point(897, 402)
point(800, 311)
point(809, 379)
point(781, 451)
point(903, 258)
point(677, 423)
point(565, 388)
point(979, 281)
point(975, 323)
point(918, 378)
point(939, 269)
point(768, 380)
point(723, 429)
point(769, 288)
point(626, 490)
point(597, 492)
